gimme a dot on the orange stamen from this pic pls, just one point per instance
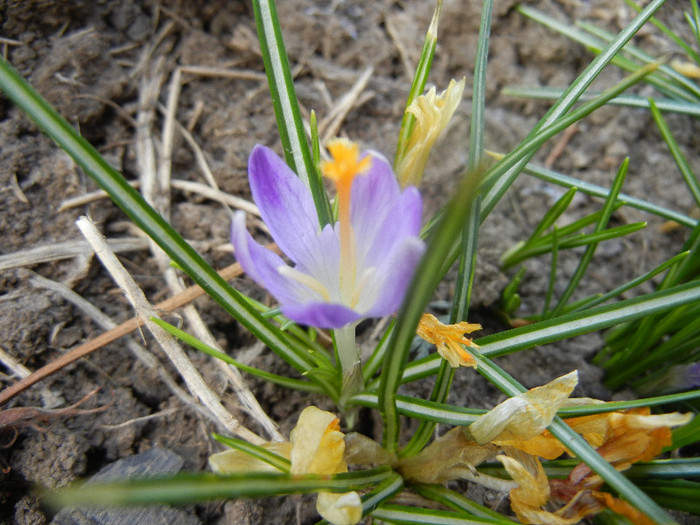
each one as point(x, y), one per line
point(342, 169)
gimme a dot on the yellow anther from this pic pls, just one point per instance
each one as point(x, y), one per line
point(345, 163)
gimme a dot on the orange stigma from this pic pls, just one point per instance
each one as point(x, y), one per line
point(342, 169)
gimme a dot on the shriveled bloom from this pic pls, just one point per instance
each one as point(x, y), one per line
point(316, 446)
point(449, 339)
point(433, 112)
point(526, 415)
point(358, 268)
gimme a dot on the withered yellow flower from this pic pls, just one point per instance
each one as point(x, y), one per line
point(316, 446)
point(433, 112)
point(526, 415)
point(449, 339)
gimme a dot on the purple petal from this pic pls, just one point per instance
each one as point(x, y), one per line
point(403, 220)
point(321, 315)
point(285, 204)
point(391, 279)
point(262, 266)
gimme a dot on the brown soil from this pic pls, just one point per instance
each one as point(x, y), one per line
point(92, 61)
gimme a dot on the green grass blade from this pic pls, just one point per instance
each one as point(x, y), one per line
point(683, 166)
point(596, 45)
point(284, 98)
point(427, 276)
point(633, 101)
point(386, 490)
point(277, 461)
point(424, 410)
point(565, 243)
point(287, 382)
point(419, 79)
point(669, 33)
point(678, 494)
point(196, 487)
point(673, 261)
point(674, 76)
point(554, 213)
point(457, 501)
point(405, 515)
point(587, 256)
point(599, 191)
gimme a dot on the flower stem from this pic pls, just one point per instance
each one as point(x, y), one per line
point(348, 356)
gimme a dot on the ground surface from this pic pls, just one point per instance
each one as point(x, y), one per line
point(106, 66)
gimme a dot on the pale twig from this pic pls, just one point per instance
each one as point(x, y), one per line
point(560, 146)
point(216, 195)
point(66, 250)
point(103, 320)
point(330, 125)
point(13, 365)
point(142, 419)
point(182, 185)
point(177, 356)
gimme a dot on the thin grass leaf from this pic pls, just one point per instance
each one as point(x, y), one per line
point(419, 79)
point(284, 99)
point(424, 410)
point(196, 487)
point(552, 273)
point(554, 213)
point(669, 33)
point(281, 463)
point(683, 166)
point(587, 256)
point(457, 501)
point(375, 360)
point(676, 77)
point(599, 191)
point(157, 228)
point(386, 490)
point(595, 301)
point(694, 21)
point(425, 281)
point(510, 299)
point(541, 247)
point(633, 101)
point(287, 382)
point(678, 494)
point(405, 515)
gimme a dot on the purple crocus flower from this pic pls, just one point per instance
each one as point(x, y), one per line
point(359, 267)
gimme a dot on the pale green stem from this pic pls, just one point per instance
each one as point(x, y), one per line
point(346, 347)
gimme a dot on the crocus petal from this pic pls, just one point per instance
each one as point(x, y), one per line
point(263, 266)
point(525, 415)
point(317, 444)
point(285, 204)
point(320, 314)
point(387, 286)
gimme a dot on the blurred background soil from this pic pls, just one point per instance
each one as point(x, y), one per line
point(107, 65)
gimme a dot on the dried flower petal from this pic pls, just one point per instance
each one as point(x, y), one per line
point(526, 415)
point(433, 113)
point(449, 339)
